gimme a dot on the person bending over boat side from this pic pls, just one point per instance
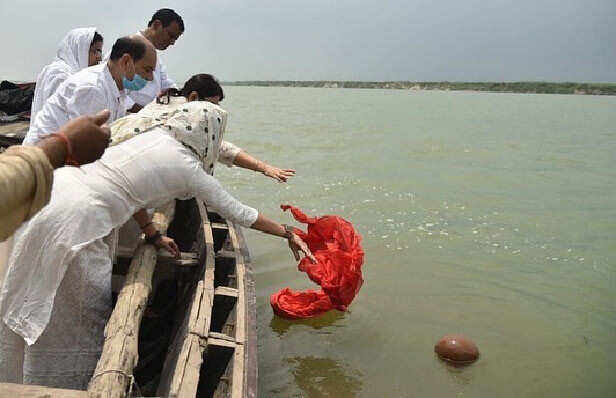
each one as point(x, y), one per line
point(186, 222)
point(57, 292)
point(80, 48)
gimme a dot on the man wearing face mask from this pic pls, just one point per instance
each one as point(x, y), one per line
point(89, 91)
point(165, 27)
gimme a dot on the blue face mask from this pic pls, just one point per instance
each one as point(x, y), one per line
point(136, 84)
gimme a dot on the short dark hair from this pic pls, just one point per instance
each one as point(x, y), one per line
point(97, 38)
point(126, 45)
point(166, 16)
point(205, 85)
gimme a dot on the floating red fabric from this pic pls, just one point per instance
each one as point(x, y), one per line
point(337, 247)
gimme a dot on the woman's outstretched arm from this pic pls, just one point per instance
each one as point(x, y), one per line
point(244, 160)
point(208, 189)
point(265, 224)
point(233, 155)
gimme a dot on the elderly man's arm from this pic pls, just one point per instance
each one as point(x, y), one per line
point(26, 172)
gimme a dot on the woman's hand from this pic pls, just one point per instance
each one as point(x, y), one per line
point(297, 245)
point(280, 175)
point(165, 242)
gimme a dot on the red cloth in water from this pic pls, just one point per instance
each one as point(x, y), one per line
point(337, 247)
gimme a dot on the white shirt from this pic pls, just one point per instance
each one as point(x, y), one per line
point(71, 57)
point(87, 203)
point(160, 82)
point(87, 92)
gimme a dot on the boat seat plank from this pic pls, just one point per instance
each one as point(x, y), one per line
point(29, 391)
point(226, 291)
point(221, 336)
point(226, 254)
point(219, 225)
point(221, 342)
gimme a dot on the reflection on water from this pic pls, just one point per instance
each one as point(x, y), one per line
point(325, 377)
point(281, 325)
point(460, 373)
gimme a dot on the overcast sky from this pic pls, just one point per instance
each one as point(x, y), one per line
point(419, 40)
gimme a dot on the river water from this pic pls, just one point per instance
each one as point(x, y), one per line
point(488, 215)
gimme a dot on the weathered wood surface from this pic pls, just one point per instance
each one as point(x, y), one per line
point(181, 371)
point(15, 129)
point(250, 303)
point(13, 133)
point(183, 366)
point(113, 374)
point(27, 391)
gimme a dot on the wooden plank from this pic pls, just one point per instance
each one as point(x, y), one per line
point(114, 370)
point(28, 391)
point(250, 297)
point(165, 258)
point(182, 366)
point(194, 309)
point(202, 326)
point(240, 308)
point(237, 385)
point(219, 225)
point(190, 380)
point(198, 331)
point(226, 291)
point(212, 341)
point(226, 254)
point(177, 356)
point(164, 255)
point(15, 129)
point(221, 336)
point(13, 133)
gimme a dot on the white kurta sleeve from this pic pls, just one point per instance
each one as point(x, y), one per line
point(208, 189)
point(53, 83)
point(86, 100)
point(165, 81)
point(227, 153)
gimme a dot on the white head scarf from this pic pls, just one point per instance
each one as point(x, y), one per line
point(73, 50)
point(199, 125)
point(71, 57)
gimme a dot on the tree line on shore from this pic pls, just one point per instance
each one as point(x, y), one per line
point(507, 87)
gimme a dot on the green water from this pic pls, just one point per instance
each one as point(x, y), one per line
point(489, 215)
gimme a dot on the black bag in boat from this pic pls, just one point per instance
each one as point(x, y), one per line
point(16, 98)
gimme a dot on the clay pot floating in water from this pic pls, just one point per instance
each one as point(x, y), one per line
point(457, 350)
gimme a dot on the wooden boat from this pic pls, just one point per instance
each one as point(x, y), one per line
point(198, 340)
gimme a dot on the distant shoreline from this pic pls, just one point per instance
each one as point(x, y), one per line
point(500, 87)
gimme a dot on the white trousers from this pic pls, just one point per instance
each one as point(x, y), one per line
point(67, 352)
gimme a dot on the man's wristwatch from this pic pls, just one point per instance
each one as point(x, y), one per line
point(288, 231)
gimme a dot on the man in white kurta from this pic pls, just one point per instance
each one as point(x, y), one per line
point(95, 88)
point(72, 55)
point(165, 27)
